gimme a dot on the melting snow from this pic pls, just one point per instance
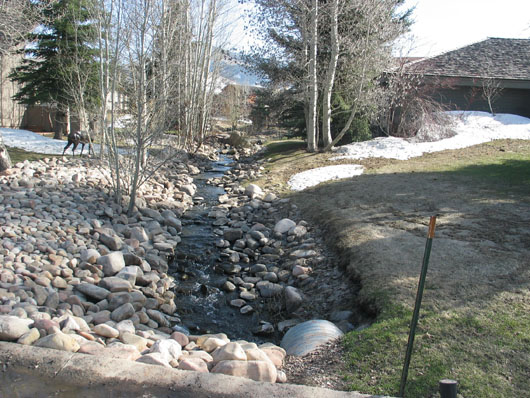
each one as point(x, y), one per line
point(470, 128)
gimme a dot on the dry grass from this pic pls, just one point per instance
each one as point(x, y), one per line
point(475, 325)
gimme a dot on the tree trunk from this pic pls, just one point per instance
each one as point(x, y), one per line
point(313, 83)
point(330, 74)
point(5, 160)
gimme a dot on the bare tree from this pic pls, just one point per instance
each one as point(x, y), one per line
point(368, 33)
point(159, 54)
point(329, 79)
point(17, 19)
point(491, 89)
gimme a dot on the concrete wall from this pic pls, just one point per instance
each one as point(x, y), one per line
point(36, 372)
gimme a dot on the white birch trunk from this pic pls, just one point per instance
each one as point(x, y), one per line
point(330, 74)
point(313, 82)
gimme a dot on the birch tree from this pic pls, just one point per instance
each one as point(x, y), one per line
point(159, 54)
point(17, 19)
point(329, 81)
point(368, 31)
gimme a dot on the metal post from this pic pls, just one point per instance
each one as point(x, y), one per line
point(448, 388)
point(417, 305)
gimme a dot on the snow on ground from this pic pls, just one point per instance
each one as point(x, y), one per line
point(34, 142)
point(308, 178)
point(471, 128)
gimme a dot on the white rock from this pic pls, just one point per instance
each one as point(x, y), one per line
point(284, 225)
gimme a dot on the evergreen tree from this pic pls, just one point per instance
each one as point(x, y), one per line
point(60, 66)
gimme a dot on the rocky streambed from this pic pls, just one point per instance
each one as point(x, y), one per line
point(203, 276)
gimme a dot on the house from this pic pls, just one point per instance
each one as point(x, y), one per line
point(495, 69)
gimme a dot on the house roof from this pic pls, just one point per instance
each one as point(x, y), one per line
point(491, 58)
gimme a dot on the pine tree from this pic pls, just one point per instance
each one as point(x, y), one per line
point(62, 52)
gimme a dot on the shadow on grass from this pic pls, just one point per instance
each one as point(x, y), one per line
point(477, 279)
point(510, 171)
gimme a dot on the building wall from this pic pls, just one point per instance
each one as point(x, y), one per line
point(509, 100)
point(11, 113)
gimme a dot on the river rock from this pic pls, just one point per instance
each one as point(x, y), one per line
point(303, 253)
point(151, 213)
point(106, 331)
point(90, 256)
point(112, 263)
point(139, 342)
point(284, 225)
point(255, 354)
point(139, 234)
point(254, 370)
point(180, 338)
point(230, 351)
point(30, 337)
point(122, 351)
point(52, 301)
point(268, 289)
point(124, 311)
point(168, 348)
point(276, 354)
point(12, 327)
point(156, 262)
point(154, 358)
point(92, 291)
point(174, 222)
point(113, 242)
point(298, 270)
point(293, 299)
point(298, 231)
point(211, 344)
point(115, 284)
point(253, 191)
point(158, 317)
point(130, 273)
point(59, 341)
point(232, 234)
point(193, 363)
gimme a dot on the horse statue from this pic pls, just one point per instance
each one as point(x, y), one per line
point(79, 137)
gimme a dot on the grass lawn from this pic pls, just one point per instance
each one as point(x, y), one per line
point(475, 324)
point(20, 155)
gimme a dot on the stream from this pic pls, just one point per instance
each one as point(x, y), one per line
point(202, 306)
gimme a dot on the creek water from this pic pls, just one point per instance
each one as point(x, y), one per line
point(201, 304)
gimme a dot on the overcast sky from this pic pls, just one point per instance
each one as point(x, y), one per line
point(444, 25)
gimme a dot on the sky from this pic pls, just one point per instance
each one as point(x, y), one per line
point(444, 25)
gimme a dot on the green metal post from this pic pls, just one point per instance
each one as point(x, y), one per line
point(417, 305)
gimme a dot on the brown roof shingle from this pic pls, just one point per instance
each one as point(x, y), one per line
point(491, 58)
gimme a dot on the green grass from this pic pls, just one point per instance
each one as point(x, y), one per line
point(281, 149)
point(20, 155)
point(486, 351)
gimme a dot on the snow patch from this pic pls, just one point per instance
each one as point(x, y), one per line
point(470, 128)
point(309, 178)
point(33, 142)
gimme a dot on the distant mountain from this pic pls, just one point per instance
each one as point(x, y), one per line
point(233, 72)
